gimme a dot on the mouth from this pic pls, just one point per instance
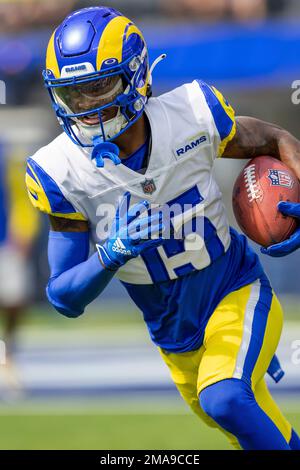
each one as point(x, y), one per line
point(91, 119)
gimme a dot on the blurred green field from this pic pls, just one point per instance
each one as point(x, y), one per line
point(111, 314)
point(103, 424)
point(95, 429)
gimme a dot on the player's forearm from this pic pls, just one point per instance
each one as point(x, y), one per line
point(74, 289)
point(289, 151)
point(76, 280)
point(255, 138)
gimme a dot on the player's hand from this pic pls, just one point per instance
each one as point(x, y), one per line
point(130, 235)
point(291, 244)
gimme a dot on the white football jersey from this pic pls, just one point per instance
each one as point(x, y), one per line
point(190, 127)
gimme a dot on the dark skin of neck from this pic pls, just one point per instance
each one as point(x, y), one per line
point(133, 138)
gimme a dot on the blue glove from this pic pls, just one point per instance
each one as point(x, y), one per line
point(293, 243)
point(130, 235)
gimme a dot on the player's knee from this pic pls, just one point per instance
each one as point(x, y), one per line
point(225, 400)
point(215, 405)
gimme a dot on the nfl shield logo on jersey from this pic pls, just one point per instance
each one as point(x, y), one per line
point(280, 178)
point(148, 186)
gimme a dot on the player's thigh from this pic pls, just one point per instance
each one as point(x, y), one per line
point(267, 403)
point(241, 336)
point(184, 373)
point(184, 369)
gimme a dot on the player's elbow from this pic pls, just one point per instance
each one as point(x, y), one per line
point(64, 307)
point(67, 311)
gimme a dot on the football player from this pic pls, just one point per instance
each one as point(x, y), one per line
point(19, 227)
point(123, 159)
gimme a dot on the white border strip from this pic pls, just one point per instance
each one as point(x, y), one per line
point(247, 329)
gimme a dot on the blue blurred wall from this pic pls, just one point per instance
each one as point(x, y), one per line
point(244, 55)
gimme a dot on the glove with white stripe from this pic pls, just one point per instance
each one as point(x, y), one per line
point(130, 235)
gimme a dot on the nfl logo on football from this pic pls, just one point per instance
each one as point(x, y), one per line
point(148, 186)
point(280, 178)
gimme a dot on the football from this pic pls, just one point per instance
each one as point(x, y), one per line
point(261, 185)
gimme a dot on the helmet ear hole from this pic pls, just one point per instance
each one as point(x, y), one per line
point(149, 91)
point(124, 83)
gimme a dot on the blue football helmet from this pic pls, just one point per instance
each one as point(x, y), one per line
point(97, 74)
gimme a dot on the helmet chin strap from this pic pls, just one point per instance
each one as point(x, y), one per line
point(111, 127)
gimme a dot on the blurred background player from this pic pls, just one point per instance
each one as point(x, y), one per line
point(19, 228)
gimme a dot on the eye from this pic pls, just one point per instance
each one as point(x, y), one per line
point(95, 88)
